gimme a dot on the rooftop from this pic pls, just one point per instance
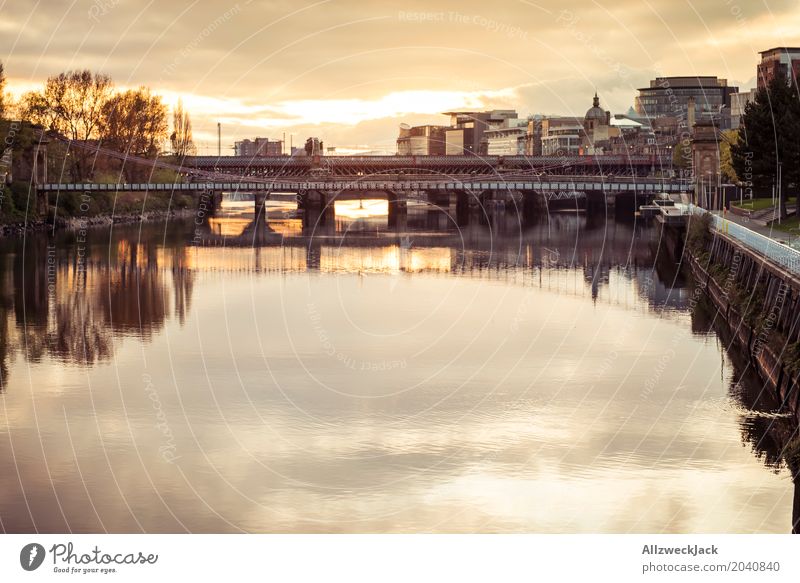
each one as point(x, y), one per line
point(624, 122)
point(783, 49)
point(686, 81)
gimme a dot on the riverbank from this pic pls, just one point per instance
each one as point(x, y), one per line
point(757, 302)
point(80, 210)
point(21, 228)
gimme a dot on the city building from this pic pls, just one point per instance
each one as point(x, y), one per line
point(533, 136)
point(561, 137)
point(670, 97)
point(632, 136)
point(507, 140)
point(467, 128)
point(259, 147)
point(596, 118)
point(427, 140)
point(466, 134)
point(738, 103)
point(547, 135)
point(778, 61)
point(597, 129)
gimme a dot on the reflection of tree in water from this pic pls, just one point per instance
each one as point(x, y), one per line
point(768, 426)
point(133, 296)
point(30, 296)
point(6, 307)
point(53, 306)
point(80, 336)
point(183, 283)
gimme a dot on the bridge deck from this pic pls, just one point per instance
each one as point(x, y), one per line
point(608, 185)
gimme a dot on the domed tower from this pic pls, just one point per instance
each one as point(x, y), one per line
point(595, 117)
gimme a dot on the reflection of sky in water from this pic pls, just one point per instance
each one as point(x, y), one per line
point(377, 388)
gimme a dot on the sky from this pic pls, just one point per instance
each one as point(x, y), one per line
point(350, 71)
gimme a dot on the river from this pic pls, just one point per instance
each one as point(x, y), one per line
point(550, 376)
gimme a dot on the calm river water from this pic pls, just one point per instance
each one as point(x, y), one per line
point(492, 377)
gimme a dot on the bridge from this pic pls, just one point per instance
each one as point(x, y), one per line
point(520, 191)
point(549, 185)
point(442, 166)
point(471, 181)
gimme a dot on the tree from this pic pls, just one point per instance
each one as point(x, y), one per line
point(134, 122)
point(181, 138)
point(728, 138)
point(767, 151)
point(34, 107)
point(682, 155)
point(2, 91)
point(72, 104)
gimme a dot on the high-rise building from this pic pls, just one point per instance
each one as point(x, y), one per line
point(259, 147)
point(783, 61)
point(670, 97)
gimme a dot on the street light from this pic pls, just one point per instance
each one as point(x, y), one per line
point(780, 194)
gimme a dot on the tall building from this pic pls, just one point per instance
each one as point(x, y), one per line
point(259, 147)
point(427, 140)
point(778, 61)
point(467, 128)
point(670, 96)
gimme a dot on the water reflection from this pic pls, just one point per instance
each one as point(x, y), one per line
point(481, 375)
point(769, 428)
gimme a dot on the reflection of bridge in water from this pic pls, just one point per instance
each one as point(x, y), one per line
point(568, 253)
point(133, 284)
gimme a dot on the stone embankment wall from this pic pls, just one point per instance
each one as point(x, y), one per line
point(760, 303)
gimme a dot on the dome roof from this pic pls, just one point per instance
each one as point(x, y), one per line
point(595, 112)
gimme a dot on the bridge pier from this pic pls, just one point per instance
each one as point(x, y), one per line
point(462, 208)
point(314, 199)
point(438, 198)
point(260, 209)
point(42, 201)
point(398, 213)
point(533, 203)
point(209, 202)
point(318, 209)
point(595, 203)
point(511, 199)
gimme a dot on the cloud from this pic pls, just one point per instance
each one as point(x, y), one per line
point(280, 65)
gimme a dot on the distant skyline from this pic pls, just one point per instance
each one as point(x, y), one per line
point(350, 72)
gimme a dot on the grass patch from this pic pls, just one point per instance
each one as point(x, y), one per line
point(787, 225)
point(79, 204)
point(757, 204)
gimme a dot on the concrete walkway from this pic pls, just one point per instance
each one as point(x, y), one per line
point(761, 227)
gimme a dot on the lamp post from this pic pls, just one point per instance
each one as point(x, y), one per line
point(780, 194)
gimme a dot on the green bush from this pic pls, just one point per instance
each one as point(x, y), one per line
point(6, 202)
point(699, 236)
point(20, 191)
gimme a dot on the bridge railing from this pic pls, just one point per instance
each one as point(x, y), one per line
point(782, 254)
